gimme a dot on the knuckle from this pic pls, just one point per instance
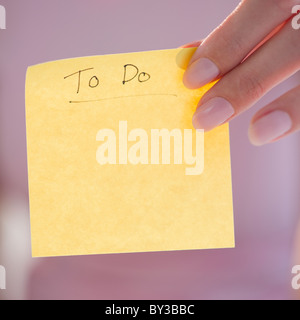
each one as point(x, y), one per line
point(236, 45)
point(285, 5)
point(251, 87)
point(233, 49)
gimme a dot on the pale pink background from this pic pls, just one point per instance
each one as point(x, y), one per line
point(265, 180)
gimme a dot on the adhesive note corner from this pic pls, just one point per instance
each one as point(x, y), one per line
point(114, 164)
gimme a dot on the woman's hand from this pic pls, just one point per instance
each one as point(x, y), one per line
point(255, 49)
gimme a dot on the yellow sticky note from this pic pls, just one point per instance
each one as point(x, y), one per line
point(114, 164)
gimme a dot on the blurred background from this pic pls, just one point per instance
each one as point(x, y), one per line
point(265, 180)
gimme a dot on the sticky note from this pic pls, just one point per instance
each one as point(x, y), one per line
point(114, 163)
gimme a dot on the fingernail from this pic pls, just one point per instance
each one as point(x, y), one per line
point(270, 127)
point(199, 73)
point(212, 114)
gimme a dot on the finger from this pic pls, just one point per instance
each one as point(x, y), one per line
point(194, 44)
point(246, 84)
point(277, 120)
point(184, 56)
point(229, 44)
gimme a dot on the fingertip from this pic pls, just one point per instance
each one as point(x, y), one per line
point(194, 44)
point(270, 128)
point(253, 138)
point(200, 73)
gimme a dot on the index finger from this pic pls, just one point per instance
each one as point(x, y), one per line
point(227, 46)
